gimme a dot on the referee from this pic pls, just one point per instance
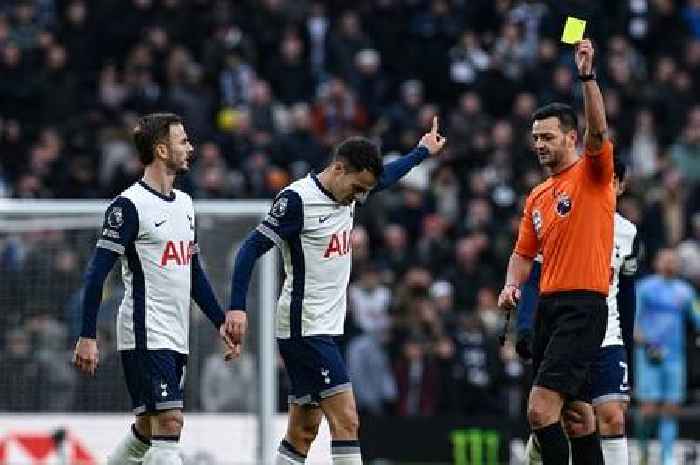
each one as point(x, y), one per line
point(569, 220)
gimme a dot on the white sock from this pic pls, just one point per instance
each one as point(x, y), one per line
point(288, 455)
point(615, 450)
point(163, 452)
point(532, 451)
point(130, 450)
point(346, 453)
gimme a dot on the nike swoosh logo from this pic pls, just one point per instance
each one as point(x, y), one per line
point(322, 219)
point(158, 225)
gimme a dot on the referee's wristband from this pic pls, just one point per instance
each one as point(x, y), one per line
point(586, 77)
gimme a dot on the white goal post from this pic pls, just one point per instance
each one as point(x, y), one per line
point(27, 216)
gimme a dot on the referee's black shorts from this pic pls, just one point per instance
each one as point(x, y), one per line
point(569, 329)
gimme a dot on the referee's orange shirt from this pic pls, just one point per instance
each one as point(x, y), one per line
point(569, 219)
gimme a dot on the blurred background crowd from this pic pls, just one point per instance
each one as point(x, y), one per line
point(267, 87)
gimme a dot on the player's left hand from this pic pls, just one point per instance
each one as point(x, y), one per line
point(234, 328)
point(584, 56)
point(432, 140)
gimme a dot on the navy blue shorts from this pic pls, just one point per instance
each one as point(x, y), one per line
point(315, 367)
point(155, 379)
point(609, 376)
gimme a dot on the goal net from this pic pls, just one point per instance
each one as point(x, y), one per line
point(44, 249)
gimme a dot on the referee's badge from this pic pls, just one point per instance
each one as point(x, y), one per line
point(537, 221)
point(564, 204)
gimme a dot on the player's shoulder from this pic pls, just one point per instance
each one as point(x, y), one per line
point(305, 187)
point(183, 197)
point(125, 200)
point(624, 225)
point(625, 232)
point(288, 203)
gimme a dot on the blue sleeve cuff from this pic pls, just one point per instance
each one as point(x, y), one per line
point(255, 245)
point(99, 267)
point(203, 294)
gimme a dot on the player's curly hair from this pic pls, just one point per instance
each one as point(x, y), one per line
point(565, 113)
point(360, 153)
point(153, 129)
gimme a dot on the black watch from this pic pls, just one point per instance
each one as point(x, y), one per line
point(586, 77)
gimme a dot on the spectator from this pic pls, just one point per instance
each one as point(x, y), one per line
point(370, 369)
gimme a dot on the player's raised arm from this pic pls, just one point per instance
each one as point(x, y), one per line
point(119, 229)
point(429, 145)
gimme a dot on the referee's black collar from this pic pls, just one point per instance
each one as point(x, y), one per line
point(167, 198)
point(328, 193)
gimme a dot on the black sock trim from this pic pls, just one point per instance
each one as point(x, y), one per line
point(589, 437)
point(612, 436)
point(140, 436)
point(345, 443)
point(287, 445)
point(166, 438)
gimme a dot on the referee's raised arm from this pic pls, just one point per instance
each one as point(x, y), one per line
point(598, 150)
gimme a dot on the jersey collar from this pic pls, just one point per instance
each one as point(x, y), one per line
point(167, 198)
point(321, 188)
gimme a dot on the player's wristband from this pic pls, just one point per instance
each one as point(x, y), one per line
point(511, 285)
point(586, 77)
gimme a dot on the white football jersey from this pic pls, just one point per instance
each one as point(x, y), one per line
point(155, 237)
point(623, 261)
point(313, 233)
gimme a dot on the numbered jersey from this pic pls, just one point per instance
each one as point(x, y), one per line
point(313, 232)
point(623, 261)
point(155, 238)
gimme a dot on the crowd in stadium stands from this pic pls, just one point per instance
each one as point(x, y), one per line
point(267, 87)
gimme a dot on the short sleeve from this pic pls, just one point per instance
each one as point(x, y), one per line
point(120, 226)
point(630, 265)
point(526, 245)
point(285, 219)
point(599, 165)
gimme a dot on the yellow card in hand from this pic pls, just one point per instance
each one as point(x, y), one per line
point(573, 30)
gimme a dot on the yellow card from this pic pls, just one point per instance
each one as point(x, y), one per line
point(573, 30)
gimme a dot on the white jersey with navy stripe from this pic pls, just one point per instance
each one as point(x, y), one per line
point(155, 237)
point(623, 261)
point(313, 232)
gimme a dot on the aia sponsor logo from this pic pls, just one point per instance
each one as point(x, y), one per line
point(339, 244)
point(179, 252)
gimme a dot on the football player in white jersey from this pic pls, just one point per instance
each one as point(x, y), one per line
point(610, 390)
point(150, 229)
point(310, 222)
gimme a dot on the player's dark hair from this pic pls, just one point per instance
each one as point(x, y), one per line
point(151, 130)
point(360, 153)
point(566, 115)
point(619, 168)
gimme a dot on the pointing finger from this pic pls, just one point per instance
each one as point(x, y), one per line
point(435, 125)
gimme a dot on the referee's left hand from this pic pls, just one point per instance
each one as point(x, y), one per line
point(509, 297)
